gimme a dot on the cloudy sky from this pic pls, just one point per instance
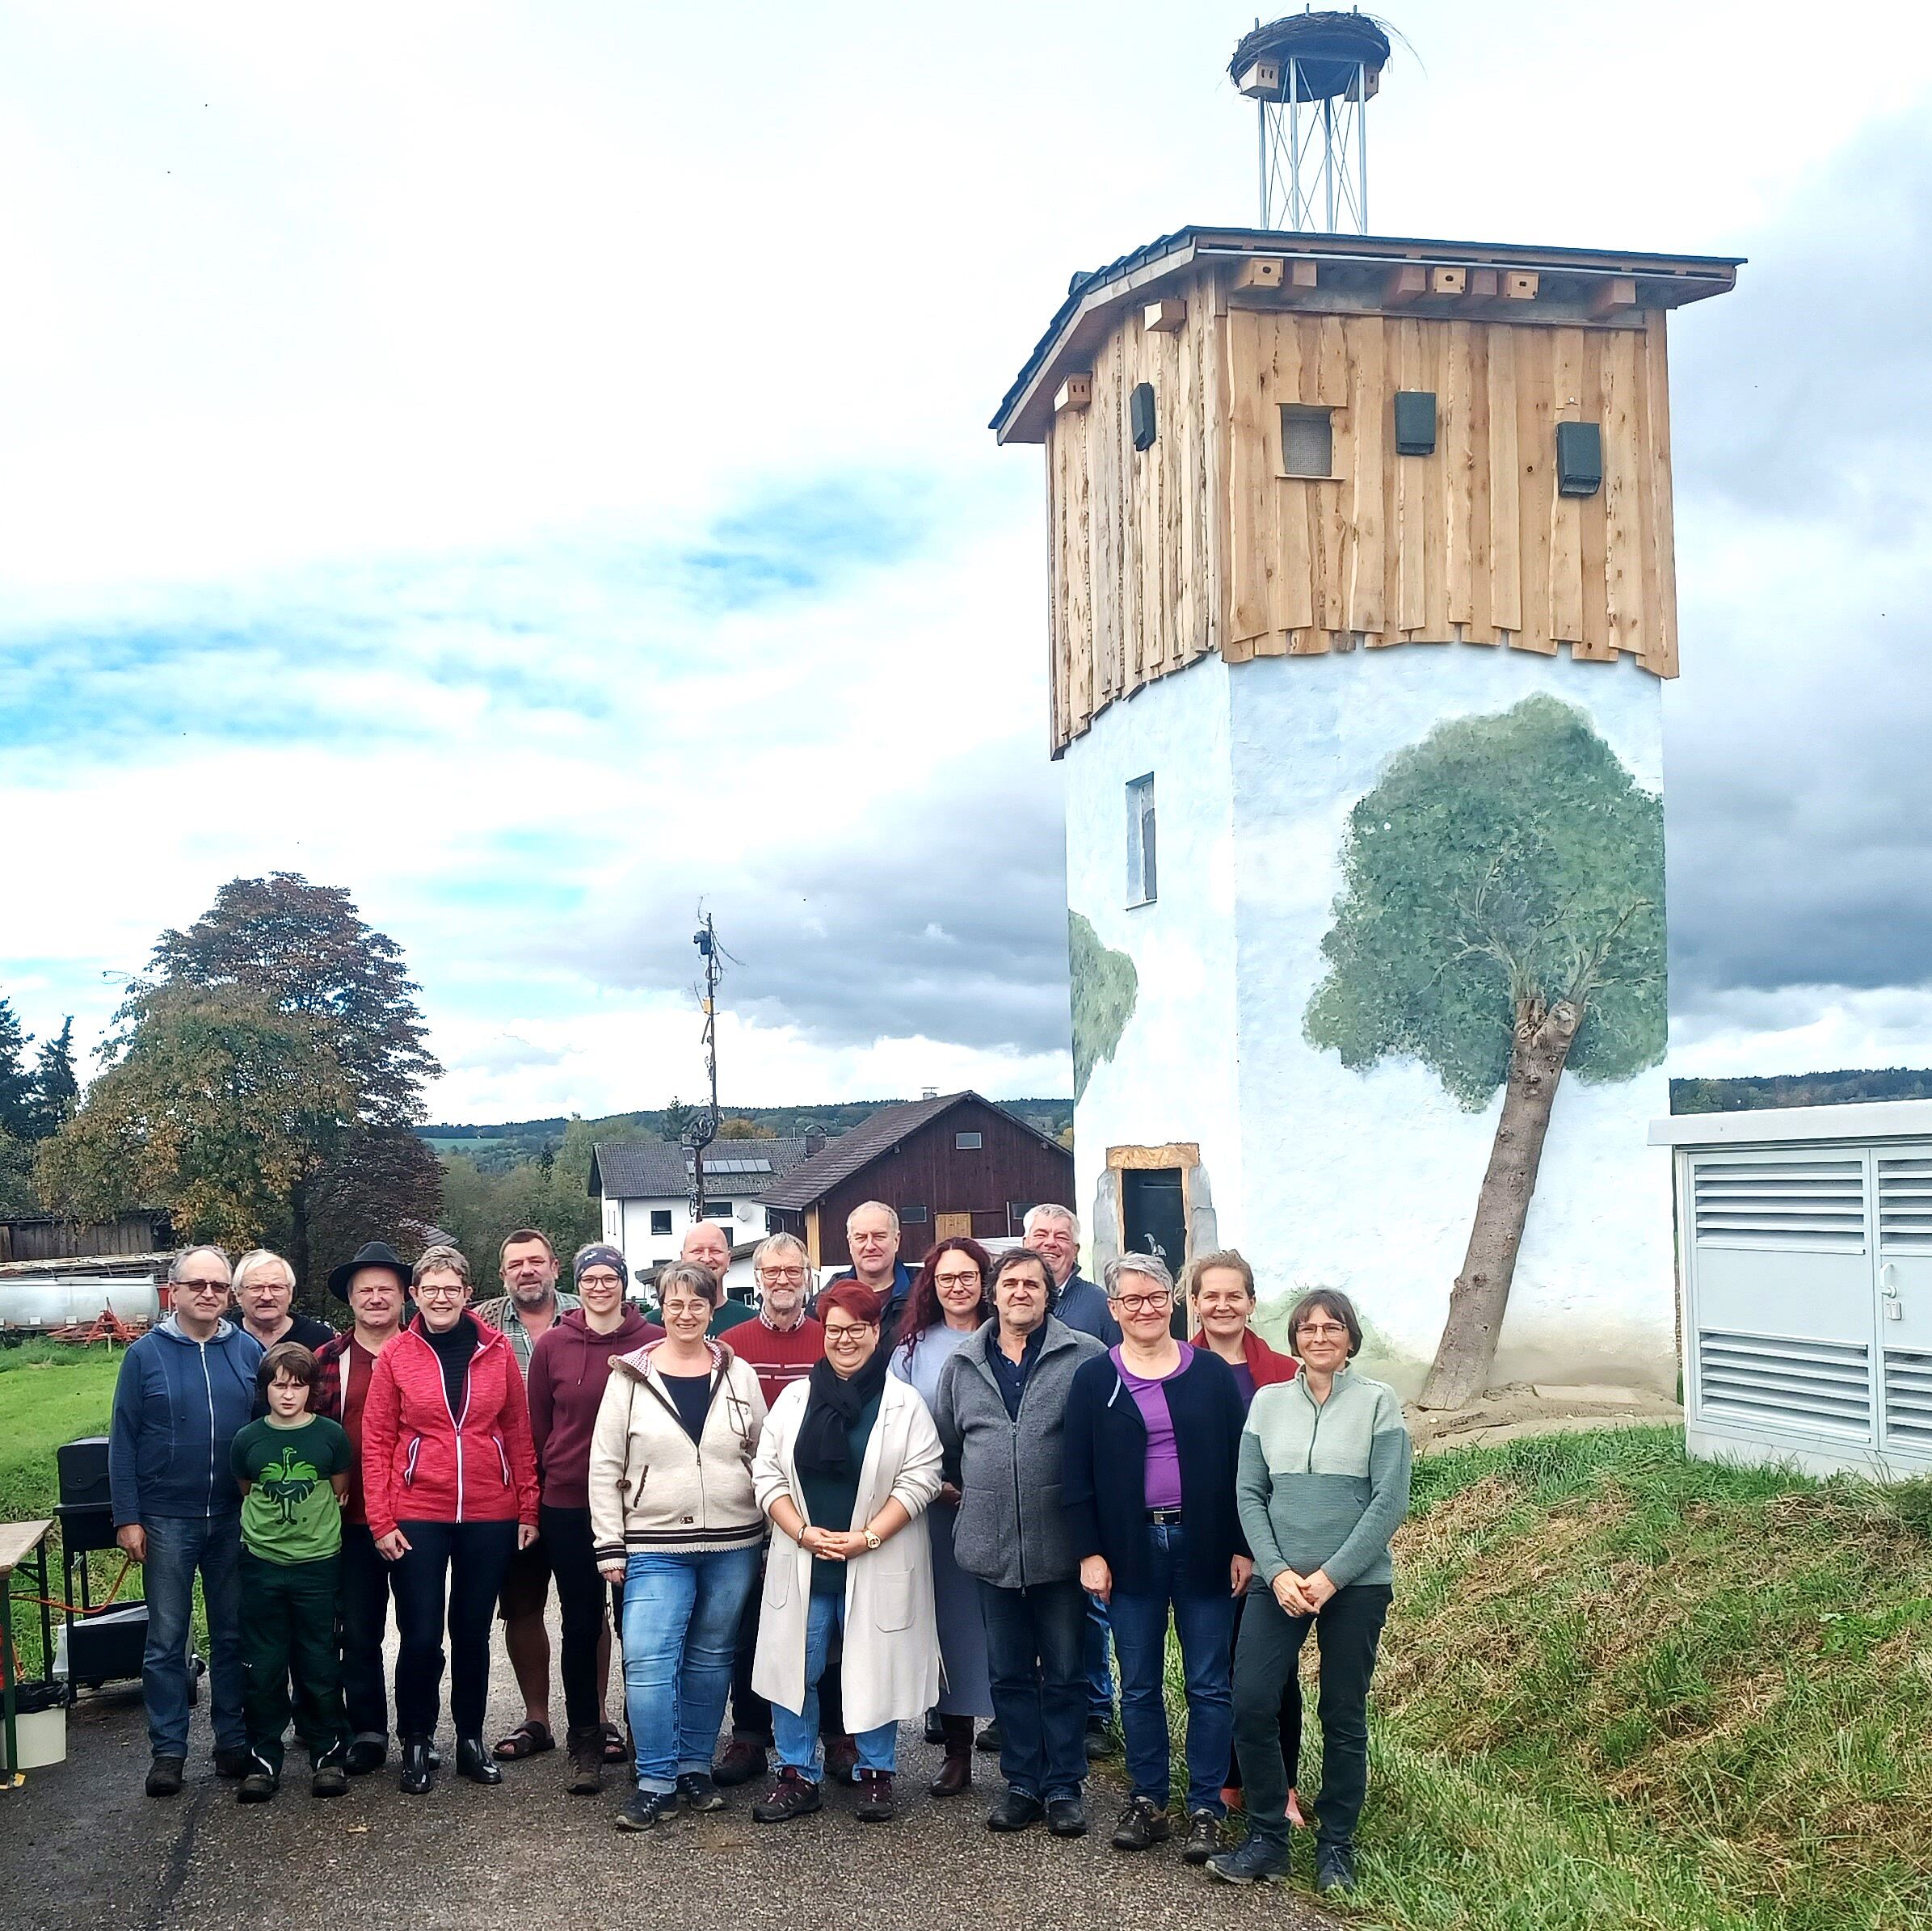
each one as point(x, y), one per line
point(527, 464)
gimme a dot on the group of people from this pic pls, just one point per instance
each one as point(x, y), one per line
point(936, 1496)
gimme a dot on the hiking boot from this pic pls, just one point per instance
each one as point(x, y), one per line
point(700, 1791)
point(1015, 1812)
point(791, 1795)
point(1334, 1868)
point(842, 1760)
point(989, 1738)
point(365, 1754)
point(643, 1810)
point(234, 1761)
point(1067, 1817)
point(1257, 1862)
point(1142, 1825)
point(586, 1747)
point(875, 1797)
point(1203, 1837)
point(164, 1777)
point(1103, 1739)
point(739, 1762)
point(257, 1786)
point(328, 1779)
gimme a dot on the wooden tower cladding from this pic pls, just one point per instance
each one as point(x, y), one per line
point(1220, 415)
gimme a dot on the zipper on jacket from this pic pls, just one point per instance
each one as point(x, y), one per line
point(455, 1423)
point(1318, 1406)
point(208, 1513)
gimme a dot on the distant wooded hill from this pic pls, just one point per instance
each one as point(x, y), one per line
point(1798, 1089)
point(495, 1147)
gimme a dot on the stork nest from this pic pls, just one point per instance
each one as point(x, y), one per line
point(1326, 47)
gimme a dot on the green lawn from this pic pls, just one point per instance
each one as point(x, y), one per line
point(50, 1393)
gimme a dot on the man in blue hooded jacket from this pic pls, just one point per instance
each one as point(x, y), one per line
point(185, 1389)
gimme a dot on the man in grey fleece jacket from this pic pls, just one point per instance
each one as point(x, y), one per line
point(1323, 1484)
point(1000, 1411)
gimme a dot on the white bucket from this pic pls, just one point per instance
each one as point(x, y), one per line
point(42, 1740)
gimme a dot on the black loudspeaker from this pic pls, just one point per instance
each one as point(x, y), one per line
point(1414, 422)
point(83, 1472)
point(1579, 459)
point(1140, 406)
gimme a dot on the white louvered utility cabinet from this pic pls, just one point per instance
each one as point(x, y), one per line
point(1804, 1266)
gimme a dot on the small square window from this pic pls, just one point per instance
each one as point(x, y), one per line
point(660, 1220)
point(719, 1210)
point(1142, 881)
point(969, 1142)
point(1307, 440)
point(914, 1216)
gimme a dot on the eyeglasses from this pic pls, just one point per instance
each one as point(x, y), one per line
point(601, 1277)
point(441, 1292)
point(781, 1273)
point(970, 1278)
point(1143, 1304)
point(1321, 1331)
point(200, 1287)
point(835, 1335)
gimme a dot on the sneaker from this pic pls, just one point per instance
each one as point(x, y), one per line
point(1334, 1868)
point(1203, 1837)
point(644, 1809)
point(791, 1795)
point(234, 1761)
point(740, 1760)
point(164, 1777)
point(700, 1791)
point(328, 1780)
point(875, 1797)
point(1142, 1825)
point(257, 1786)
point(1015, 1812)
point(1103, 1739)
point(1067, 1817)
point(989, 1738)
point(1256, 1862)
point(842, 1760)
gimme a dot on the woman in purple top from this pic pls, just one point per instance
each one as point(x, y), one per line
point(1160, 1531)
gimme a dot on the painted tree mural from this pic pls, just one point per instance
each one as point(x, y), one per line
point(1106, 986)
point(1501, 920)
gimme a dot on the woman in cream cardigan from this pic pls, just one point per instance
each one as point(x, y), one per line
point(847, 1463)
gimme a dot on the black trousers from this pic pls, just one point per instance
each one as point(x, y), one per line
point(288, 1635)
point(1348, 1629)
point(456, 1567)
point(1291, 1719)
point(582, 1597)
point(750, 1713)
point(362, 1612)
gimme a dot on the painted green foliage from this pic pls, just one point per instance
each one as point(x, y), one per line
point(1504, 860)
point(1106, 986)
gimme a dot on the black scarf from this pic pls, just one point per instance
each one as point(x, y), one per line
point(833, 1405)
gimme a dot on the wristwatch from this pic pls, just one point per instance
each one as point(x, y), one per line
point(872, 1542)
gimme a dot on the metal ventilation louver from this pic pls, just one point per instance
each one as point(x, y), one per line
point(1906, 1205)
point(1909, 1397)
point(1785, 1203)
point(1780, 1383)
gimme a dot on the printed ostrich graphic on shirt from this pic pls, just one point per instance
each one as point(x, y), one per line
point(289, 1484)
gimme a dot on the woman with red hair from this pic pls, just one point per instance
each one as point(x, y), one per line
point(848, 1465)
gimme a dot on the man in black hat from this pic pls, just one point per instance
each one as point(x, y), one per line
point(376, 1285)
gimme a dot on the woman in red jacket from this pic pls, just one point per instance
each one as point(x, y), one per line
point(449, 1481)
point(1220, 1296)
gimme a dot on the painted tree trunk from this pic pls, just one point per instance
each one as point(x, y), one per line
point(1467, 1351)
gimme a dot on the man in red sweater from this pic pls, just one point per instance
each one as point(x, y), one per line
point(781, 1342)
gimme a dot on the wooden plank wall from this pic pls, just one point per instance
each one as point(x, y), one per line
point(1471, 545)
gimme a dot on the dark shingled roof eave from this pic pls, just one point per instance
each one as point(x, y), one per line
point(1185, 244)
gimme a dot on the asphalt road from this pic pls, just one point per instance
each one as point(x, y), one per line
point(80, 1846)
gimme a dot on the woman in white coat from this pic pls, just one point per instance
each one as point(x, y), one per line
point(847, 1465)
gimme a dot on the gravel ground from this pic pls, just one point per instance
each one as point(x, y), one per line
point(81, 1844)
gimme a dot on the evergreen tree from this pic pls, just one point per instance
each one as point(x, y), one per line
point(17, 1118)
point(56, 1092)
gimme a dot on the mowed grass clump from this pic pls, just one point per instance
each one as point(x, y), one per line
point(1620, 1687)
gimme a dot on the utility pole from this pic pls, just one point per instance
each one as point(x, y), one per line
point(703, 1131)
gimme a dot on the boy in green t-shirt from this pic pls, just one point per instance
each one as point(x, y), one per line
point(293, 1469)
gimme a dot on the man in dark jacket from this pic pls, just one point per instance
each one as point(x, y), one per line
point(184, 1391)
point(871, 1238)
point(1000, 1412)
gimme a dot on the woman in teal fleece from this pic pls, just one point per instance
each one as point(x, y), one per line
point(1323, 1485)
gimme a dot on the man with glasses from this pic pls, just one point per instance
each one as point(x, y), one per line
point(780, 1343)
point(186, 1389)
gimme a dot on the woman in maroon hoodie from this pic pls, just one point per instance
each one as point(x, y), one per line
point(568, 1368)
point(449, 1482)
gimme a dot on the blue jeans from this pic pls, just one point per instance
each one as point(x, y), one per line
point(1099, 1678)
point(680, 1626)
point(796, 1731)
point(178, 1545)
point(1205, 1624)
point(1034, 1644)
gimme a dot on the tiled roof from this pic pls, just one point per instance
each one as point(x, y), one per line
point(661, 1170)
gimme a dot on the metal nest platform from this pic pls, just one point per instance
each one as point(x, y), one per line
point(1311, 57)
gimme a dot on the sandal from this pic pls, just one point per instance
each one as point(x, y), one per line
point(529, 1739)
point(615, 1750)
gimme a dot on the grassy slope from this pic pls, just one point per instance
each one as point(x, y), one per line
point(1624, 1689)
point(49, 1393)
